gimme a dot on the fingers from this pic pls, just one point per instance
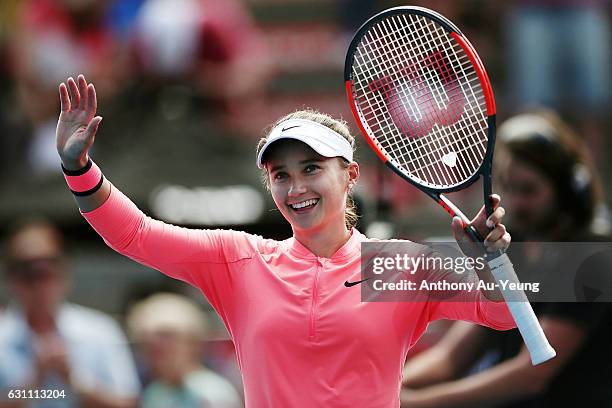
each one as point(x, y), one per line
point(498, 238)
point(496, 233)
point(482, 223)
point(75, 97)
point(64, 97)
point(468, 246)
point(502, 243)
point(495, 200)
point(458, 229)
point(92, 128)
point(78, 95)
point(82, 84)
point(92, 101)
point(496, 217)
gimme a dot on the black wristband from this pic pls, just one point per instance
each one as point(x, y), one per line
point(78, 172)
point(90, 191)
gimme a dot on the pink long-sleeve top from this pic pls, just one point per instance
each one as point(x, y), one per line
point(302, 338)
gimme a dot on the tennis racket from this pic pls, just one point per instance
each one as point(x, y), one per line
point(422, 98)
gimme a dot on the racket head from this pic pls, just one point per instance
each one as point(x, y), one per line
point(422, 98)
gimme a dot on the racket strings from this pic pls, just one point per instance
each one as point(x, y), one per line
point(427, 142)
point(390, 69)
point(429, 77)
point(388, 127)
point(425, 151)
point(427, 74)
point(479, 126)
point(418, 93)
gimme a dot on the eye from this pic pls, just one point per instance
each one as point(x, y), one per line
point(279, 175)
point(310, 168)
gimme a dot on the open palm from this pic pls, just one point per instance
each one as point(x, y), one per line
point(77, 124)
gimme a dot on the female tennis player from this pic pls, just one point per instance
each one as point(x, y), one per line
point(303, 339)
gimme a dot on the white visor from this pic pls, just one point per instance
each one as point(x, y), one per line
point(320, 138)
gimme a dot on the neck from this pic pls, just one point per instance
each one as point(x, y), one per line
point(325, 241)
point(40, 322)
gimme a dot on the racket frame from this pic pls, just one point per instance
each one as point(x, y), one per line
point(484, 170)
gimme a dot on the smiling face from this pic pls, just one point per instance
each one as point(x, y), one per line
point(309, 190)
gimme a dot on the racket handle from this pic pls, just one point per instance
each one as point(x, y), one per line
point(526, 321)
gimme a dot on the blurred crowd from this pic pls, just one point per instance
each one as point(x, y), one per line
point(174, 50)
point(49, 343)
point(186, 86)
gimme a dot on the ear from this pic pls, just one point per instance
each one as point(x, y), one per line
point(353, 173)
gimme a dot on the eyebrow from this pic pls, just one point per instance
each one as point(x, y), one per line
point(310, 160)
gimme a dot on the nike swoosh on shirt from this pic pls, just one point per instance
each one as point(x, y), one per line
point(349, 284)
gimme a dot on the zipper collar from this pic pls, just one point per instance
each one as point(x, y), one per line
point(349, 249)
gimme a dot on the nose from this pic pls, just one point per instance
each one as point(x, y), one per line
point(297, 188)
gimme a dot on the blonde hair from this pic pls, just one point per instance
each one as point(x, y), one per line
point(166, 311)
point(337, 125)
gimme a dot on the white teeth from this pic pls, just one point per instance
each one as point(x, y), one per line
point(304, 204)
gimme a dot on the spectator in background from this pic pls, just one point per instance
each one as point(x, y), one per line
point(212, 47)
point(56, 38)
point(557, 47)
point(170, 330)
point(559, 56)
point(8, 21)
point(121, 16)
point(11, 141)
point(48, 343)
point(553, 194)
